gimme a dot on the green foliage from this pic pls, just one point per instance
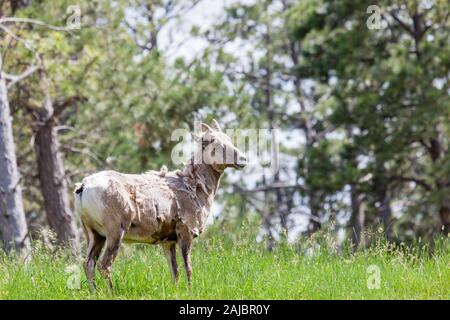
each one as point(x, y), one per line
point(386, 99)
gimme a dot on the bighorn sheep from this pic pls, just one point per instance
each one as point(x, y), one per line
point(157, 207)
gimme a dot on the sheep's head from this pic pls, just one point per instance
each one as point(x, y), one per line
point(218, 149)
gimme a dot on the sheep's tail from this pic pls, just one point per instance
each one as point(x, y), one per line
point(78, 196)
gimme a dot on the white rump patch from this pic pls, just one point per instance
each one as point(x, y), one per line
point(91, 198)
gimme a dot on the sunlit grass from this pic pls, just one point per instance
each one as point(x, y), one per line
point(226, 268)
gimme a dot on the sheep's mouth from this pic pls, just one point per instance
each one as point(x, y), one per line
point(238, 166)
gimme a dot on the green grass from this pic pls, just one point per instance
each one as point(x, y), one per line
point(233, 268)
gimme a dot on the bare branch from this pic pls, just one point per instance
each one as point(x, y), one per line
point(17, 38)
point(275, 186)
point(60, 105)
point(15, 79)
point(33, 21)
point(86, 152)
point(402, 24)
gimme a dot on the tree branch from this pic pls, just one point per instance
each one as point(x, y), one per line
point(33, 21)
point(15, 79)
point(402, 24)
point(275, 186)
point(59, 105)
point(417, 181)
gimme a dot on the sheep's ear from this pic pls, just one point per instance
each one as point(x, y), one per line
point(205, 127)
point(216, 125)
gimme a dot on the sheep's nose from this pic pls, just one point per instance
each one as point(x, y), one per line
point(242, 159)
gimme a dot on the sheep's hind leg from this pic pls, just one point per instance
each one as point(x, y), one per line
point(170, 253)
point(95, 246)
point(113, 242)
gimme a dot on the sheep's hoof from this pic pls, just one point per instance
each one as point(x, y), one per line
point(93, 288)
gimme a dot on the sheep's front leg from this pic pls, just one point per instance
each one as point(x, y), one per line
point(171, 256)
point(185, 247)
point(113, 242)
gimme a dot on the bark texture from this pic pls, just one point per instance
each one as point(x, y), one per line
point(13, 226)
point(52, 178)
point(357, 218)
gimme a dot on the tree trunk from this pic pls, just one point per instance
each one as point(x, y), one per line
point(382, 197)
point(268, 213)
point(13, 226)
point(444, 206)
point(436, 152)
point(444, 214)
point(285, 214)
point(53, 179)
point(385, 212)
point(357, 218)
point(314, 207)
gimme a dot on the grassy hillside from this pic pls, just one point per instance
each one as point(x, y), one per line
point(234, 268)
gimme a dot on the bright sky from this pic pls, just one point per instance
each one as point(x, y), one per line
point(175, 38)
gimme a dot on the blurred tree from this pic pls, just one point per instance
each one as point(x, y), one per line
point(51, 171)
point(99, 71)
point(362, 107)
point(258, 57)
point(390, 86)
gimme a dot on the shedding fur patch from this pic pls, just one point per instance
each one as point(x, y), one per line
point(163, 171)
point(151, 200)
